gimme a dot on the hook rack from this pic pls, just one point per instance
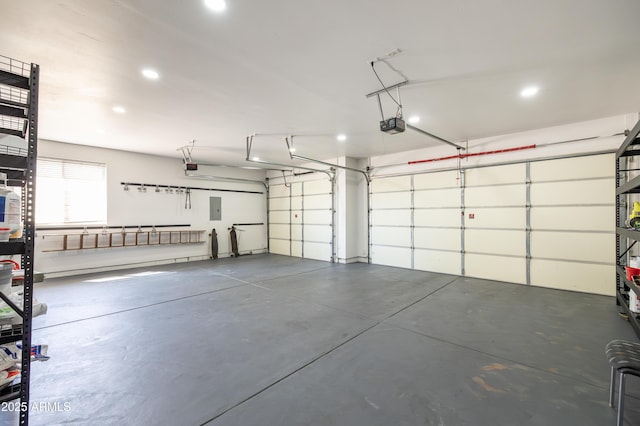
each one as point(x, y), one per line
point(142, 187)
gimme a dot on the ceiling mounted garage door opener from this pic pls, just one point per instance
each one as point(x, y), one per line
point(397, 124)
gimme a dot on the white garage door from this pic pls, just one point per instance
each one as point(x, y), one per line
point(545, 223)
point(301, 219)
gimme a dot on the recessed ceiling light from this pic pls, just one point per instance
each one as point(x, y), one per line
point(292, 149)
point(119, 109)
point(529, 92)
point(100, 131)
point(414, 119)
point(216, 5)
point(341, 138)
point(256, 158)
point(150, 74)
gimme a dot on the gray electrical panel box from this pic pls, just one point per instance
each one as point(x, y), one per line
point(215, 208)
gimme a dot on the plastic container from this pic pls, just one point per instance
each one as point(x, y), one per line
point(631, 272)
point(5, 233)
point(10, 206)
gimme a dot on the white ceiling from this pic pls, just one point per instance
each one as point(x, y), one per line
point(303, 68)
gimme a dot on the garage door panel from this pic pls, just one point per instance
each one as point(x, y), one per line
point(578, 192)
point(317, 201)
point(317, 233)
point(317, 187)
point(401, 200)
point(595, 218)
point(297, 203)
point(391, 236)
point(589, 278)
point(279, 217)
point(505, 195)
point(296, 217)
point(317, 217)
point(437, 217)
point(574, 168)
point(400, 183)
point(499, 175)
point(279, 231)
point(279, 247)
point(296, 189)
point(436, 180)
point(585, 247)
point(499, 268)
point(437, 261)
point(278, 204)
point(495, 242)
point(391, 217)
point(278, 191)
point(505, 217)
point(391, 256)
point(317, 251)
point(435, 238)
point(296, 232)
point(438, 198)
point(296, 248)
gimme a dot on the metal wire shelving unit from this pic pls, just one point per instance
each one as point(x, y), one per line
point(626, 237)
point(19, 84)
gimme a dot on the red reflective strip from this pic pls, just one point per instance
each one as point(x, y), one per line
point(474, 154)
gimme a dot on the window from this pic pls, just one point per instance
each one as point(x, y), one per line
point(70, 192)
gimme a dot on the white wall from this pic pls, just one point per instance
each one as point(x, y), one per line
point(151, 208)
point(350, 227)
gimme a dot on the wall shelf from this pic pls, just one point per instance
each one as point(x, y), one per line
point(130, 238)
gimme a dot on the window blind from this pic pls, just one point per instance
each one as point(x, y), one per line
point(70, 192)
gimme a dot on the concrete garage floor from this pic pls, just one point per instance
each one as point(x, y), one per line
point(273, 340)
